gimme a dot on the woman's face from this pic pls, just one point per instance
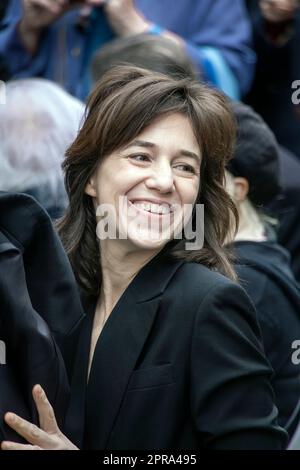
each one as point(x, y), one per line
point(151, 184)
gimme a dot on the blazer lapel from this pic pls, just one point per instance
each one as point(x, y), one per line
point(119, 347)
point(75, 416)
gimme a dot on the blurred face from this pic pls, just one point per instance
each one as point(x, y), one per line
point(151, 184)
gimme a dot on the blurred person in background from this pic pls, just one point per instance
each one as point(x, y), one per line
point(288, 208)
point(156, 53)
point(276, 25)
point(37, 124)
point(55, 39)
point(263, 266)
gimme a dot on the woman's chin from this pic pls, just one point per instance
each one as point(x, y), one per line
point(148, 243)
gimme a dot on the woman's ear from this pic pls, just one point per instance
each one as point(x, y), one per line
point(90, 188)
point(241, 189)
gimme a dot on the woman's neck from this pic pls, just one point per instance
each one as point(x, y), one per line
point(118, 268)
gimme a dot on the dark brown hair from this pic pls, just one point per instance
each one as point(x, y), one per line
point(124, 103)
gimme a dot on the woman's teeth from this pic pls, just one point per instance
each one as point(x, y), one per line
point(154, 208)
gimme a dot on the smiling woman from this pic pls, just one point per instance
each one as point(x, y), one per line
point(170, 354)
point(145, 174)
point(154, 129)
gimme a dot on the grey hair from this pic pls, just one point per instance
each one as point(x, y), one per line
point(37, 124)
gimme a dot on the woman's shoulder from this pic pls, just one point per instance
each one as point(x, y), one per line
point(217, 300)
point(198, 285)
point(193, 275)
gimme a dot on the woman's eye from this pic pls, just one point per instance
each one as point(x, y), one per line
point(186, 168)
point(140, 158)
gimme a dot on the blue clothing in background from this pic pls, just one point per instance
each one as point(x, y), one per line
point(217, 35)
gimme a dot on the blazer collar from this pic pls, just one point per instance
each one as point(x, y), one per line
point(117, 352)
point(154, 277)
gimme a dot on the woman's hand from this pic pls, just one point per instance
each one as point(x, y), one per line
point(40, 14)
point(48, 437)
point(124, 18)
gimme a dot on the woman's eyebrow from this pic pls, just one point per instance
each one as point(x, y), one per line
point(187, 153)
point(146, 144)
point(140, 143)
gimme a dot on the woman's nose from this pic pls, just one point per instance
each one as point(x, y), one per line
point(161, 179)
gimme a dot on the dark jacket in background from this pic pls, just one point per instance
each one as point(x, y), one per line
point(287, 210)
point(264, 271)
point(4, 75)
point(277, 68)
point(39, 311)
point(3, 7)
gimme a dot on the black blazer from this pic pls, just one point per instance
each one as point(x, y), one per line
point(40, 310)
point(178, 365)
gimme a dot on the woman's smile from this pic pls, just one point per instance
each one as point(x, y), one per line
point(150, 208)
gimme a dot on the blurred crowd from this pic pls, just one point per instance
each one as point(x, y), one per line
point(52, 52)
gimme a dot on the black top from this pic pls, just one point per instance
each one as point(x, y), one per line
point(4, 74)
point(266, 275)
point(179, 365)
